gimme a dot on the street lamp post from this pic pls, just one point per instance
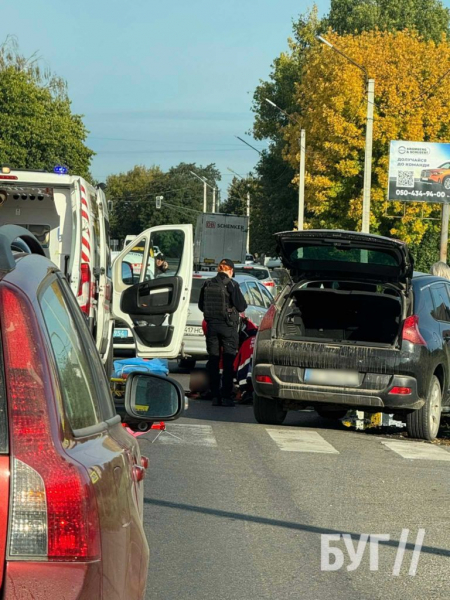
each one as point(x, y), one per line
point(301, 171)
point(248, 210)
point(370, 83)
point(205, 191)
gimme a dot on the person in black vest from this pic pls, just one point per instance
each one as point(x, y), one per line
point(221, 301)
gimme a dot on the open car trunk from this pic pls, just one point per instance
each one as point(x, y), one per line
point(351, 316)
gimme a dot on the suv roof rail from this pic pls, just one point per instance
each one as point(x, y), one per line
point(8, 234)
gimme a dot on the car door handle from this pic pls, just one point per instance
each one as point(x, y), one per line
point(138, 472)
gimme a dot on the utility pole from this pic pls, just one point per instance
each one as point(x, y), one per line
point(365, 225)
point(368, 157)
point(214, 200)
point(248, 223)
point(301, 171)
point(444, 231)
point(301, 182)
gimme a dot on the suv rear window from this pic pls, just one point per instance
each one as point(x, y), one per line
point(258, 273)
point(334, 254)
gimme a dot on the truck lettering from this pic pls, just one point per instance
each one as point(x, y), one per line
point(227, 226)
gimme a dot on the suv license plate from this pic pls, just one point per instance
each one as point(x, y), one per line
point(332, 377)
point(190, 330)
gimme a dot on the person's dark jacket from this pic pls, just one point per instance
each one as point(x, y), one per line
point(237, 299)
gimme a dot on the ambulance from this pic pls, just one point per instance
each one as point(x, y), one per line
point(70, 219)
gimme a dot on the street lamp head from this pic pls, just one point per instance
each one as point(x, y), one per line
point(324, 41)
point(271, 103)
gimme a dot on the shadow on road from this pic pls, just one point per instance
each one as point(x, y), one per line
point(223, 514)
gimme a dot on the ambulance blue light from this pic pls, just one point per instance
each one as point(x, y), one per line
point(60, 170)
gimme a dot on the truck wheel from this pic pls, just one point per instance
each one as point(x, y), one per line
point(329, 413)
point(268, 411)
point(423, 424)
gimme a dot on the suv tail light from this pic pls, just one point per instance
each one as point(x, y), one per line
point(84, 290)
point(267, 322)
point(269, 283)
point(411, 332)
point(53, 508)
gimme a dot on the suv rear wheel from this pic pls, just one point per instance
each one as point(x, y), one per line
point(268, 411)
point(424, 423)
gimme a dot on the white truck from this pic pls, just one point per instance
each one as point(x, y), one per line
point(219, 236)
point(70, 219)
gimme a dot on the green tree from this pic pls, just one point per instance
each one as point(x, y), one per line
point(429, 17)
point(134, 196)
point(37, 127)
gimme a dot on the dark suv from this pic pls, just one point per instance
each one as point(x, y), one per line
point(354, 329)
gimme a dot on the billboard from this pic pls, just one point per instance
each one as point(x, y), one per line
point(419, 171)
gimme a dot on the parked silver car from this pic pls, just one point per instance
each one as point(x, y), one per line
point(261, 273)
point(194, 344)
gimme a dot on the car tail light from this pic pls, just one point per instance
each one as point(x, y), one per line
point(267, 322)
point(400, 391)
point(411, 332)
point(84, 290)
point(263, 379)
point(269, 283)
point(53, 508)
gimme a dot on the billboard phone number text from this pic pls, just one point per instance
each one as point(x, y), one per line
point(420, 194)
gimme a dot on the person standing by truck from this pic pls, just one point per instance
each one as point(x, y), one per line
point(221, 301)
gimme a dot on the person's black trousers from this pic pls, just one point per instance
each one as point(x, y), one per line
point(221, 335)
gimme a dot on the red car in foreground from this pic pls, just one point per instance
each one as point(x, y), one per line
point(71, 490)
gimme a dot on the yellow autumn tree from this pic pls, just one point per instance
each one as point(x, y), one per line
point(412, 102)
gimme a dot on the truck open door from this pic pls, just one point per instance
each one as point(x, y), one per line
point(152, 294)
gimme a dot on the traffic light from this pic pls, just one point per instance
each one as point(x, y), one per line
point(158, 201)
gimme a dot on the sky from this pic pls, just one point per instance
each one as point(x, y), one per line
point(159, 82)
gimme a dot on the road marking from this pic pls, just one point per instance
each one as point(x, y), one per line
point(300, 440)
point(418, 451)
point(186, 434)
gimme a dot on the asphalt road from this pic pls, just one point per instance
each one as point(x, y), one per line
point(235, 510)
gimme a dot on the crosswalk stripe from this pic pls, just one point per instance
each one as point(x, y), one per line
point(300, 440)
point(418, 450)
point(186, 434)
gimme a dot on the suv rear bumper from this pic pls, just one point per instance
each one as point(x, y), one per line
point(71, 581)
point(351, 397)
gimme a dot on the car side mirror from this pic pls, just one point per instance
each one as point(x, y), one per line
point(150, 397)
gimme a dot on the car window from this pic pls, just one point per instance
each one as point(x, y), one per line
point(132, 263)
point(441, 302)
point(256, 296)
point(257, 273)
point(246, 293)
point(197, 284)
point(76, 378)
point(267, 296)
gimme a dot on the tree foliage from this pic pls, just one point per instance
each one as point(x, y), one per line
point(430, 18)
point(327, 97)
point(134, 197)
point(37, 127)
point(410, 104)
